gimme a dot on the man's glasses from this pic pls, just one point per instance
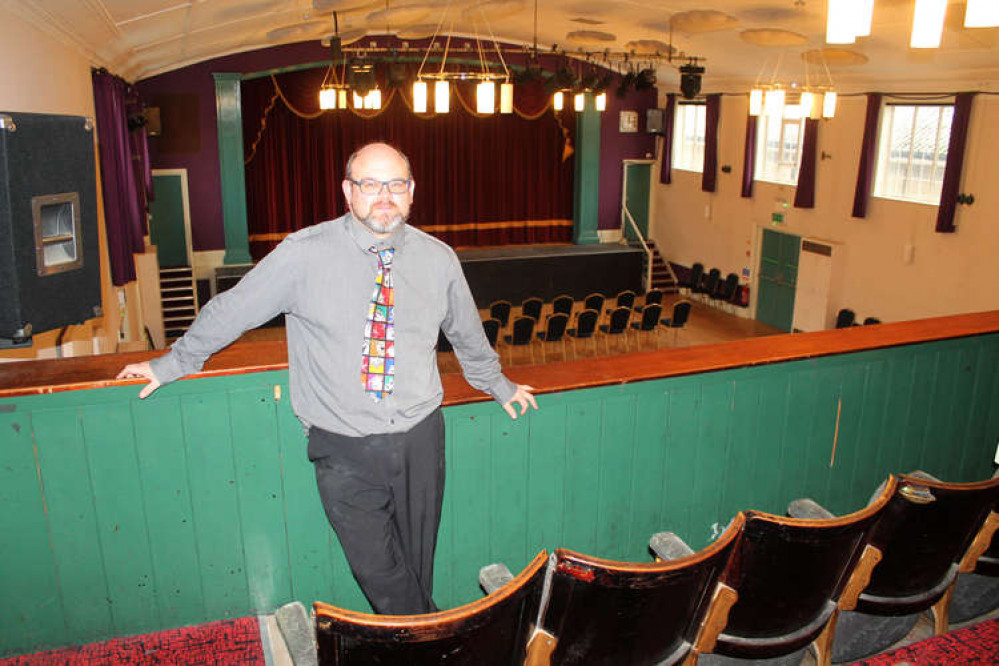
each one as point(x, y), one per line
point(371, 187)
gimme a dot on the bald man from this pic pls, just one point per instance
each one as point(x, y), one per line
point(376, 440)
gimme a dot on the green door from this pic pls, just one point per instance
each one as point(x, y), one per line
point(637, 191)
point(166, 221)
point(778, 278)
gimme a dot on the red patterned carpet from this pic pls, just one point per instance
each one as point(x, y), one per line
point(216, 643)
point(977, 644)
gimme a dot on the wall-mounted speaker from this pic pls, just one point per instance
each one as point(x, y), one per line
point(654, 121)
point(49, 259)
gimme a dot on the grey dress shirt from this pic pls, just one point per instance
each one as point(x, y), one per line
point(322, 278)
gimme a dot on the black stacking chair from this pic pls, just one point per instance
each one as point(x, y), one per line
point(649, 320)
point(652, 297)
point(586, 327)
point(845, 318)
point(491, 327)
point(522, 335)
point(790, 578)
point(870, 321)
point(933, 530)
point(625, 299)
point(562, 304)
point(678, 319)
point(493, 630)
point(500, 311)
point(710, 283)
point(693, 283)
point(617, 324)
point(726, 290)
point(554, 332)
point(531, 307)
point(594, 301)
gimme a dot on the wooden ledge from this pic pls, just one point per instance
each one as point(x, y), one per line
point(49, 376)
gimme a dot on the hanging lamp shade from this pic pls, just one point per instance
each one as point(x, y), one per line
point(579, 101)
point(773, 102)
point(485, 97)
point(927, 24)
point(755, 101)
point(558, 101)
point(506, 97)
point(341, 98)
point(865, 17)
point(419, 96)
point(829, 104)
point(600, 102)
point(442, 97)
point(841, 21)
point(327, 98)
point(357, 100)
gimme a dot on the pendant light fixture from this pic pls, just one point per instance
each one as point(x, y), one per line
point(981, 14)
point(927, 23)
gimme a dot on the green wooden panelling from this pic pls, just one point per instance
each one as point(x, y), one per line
point(586, 186)
point(199, 503)
point(229, 118)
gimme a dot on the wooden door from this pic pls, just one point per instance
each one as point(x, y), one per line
point(778, 279)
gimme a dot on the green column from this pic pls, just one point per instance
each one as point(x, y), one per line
point(230, 126)
point(586, 189)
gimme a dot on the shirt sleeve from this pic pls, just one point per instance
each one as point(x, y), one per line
point(263, 293)
point(463, 328)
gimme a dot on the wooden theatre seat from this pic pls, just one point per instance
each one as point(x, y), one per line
point(491, 630)
point(932, 531)
point(601, 612)
point(789, 578)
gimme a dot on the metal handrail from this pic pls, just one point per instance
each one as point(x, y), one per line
point(641, 239)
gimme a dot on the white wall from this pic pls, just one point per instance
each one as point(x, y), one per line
point(39, 73)
point(950, 273)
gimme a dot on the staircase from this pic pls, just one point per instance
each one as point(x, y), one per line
point(663, 277)
point(177, 295)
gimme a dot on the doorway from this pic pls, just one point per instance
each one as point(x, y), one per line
point(778, 279)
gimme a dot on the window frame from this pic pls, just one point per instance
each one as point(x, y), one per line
point(682, 149)
point(886, 121)
point(760, 173)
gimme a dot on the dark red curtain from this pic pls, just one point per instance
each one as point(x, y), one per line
point(868, 156)
point(955, 163)
point(712, 114)
point(804, 195)
point(492, 180)
point(749, 156)
point(666, 165)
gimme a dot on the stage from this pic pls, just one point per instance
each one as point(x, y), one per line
point(517, 272)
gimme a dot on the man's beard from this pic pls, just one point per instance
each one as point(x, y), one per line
point(379, 227)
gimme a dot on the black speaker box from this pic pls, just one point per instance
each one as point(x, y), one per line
point(654, 121)
point(49, 259)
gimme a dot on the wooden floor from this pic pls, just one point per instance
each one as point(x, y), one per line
point(707, 325)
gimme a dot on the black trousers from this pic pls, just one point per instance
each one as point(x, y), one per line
point(382, 495)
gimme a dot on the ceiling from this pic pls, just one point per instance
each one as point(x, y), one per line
point(740, 40)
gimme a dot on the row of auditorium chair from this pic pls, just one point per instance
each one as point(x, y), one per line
point(711, 287)
point(560, 323)
point(767, 588)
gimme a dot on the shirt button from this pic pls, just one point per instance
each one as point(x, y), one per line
point(392, 421)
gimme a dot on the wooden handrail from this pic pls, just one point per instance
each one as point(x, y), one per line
point(49, 376)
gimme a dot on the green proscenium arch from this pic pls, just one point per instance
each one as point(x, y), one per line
point(586, 189)
point(230, 125)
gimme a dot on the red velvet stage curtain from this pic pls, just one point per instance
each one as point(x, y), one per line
point(492, 180)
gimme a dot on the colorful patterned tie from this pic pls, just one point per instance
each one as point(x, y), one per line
point(378, 361)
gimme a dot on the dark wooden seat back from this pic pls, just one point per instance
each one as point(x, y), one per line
point(500, 310)
point(491, 630)
point(934, 524)
point(555, 327)
point(605, 613)
point(791, 575)
point(594, 301)
point(650, 317)
point(531, 307)
point(523, 330)
point(619, 320)
point(586, 324)
point(563, 304)
point(626, 299)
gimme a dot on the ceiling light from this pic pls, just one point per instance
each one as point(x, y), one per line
point(420, 97)
point(773, 103)
point(829, 104)
point(981, 14)
point(756, 101)
point(579, 101)
point(485, 97)
point(327, 98)
point(506, 97)
point(841, 21)
point(600, 101)
point(865, 16)
point(558, 101)
point(442, 97)
point(927, 24)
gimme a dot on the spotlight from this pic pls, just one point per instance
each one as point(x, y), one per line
point(690, 80)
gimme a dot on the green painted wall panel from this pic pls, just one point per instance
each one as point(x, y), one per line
point(159, 443)
point(122, 532)
point(217, 514)
point(72, 522)
point(27, 568)
point(212, 475)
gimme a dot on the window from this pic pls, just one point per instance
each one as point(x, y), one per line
point(778, 149)
point(912, 152)
point(688, 137)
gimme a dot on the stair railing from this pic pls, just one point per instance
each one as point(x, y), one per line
point(645, 247)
